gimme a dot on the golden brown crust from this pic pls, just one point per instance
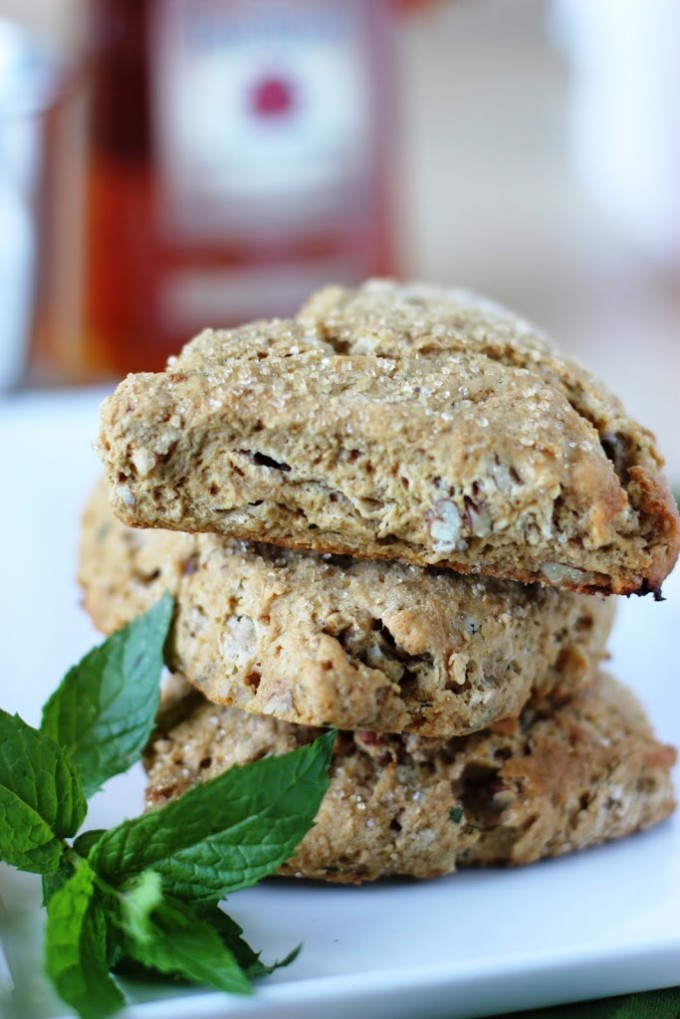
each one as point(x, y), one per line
point(549, 783)
point(397, 423)
point(349, 643)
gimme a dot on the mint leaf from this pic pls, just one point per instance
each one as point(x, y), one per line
point(56, 879)
point(87, 840)
point(41, 801)
point(249, 960)
point(82, 845)
point(138, 903)
point(224, 834)
point(231, 936)
point(167, 936)
point(105, 708)
point(76, 952)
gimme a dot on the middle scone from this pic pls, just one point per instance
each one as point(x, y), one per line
point(329, 640)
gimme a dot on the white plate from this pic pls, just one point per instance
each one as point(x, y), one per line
point(605, 921)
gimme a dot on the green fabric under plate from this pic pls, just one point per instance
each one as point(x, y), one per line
point(664, 1004)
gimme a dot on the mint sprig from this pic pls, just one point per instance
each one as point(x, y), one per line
point(77, 946)
point(166, 936)
point(41, 801)
point(142, 897)
point(225, 834)
point(104, 710)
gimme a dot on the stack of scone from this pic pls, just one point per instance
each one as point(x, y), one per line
point(399, 514)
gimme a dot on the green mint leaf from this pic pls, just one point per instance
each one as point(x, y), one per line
point(168, 937)
point(138, 903)
point(249, 960)
point(53, 881)
point(41, 800)
point(104, 710)
point(76, 947)
point(56, 879)
point(261, 969)
point(231, 936)
point(224, 834)
point(87, 840)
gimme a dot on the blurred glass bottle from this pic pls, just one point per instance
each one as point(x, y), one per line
point(237, 157)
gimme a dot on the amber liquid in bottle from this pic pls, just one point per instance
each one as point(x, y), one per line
point(237, 155)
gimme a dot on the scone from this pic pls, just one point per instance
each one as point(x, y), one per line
point(551, 782)
point(407, 423)
point(354, 644)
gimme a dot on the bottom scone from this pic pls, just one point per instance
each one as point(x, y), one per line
point(541, 785)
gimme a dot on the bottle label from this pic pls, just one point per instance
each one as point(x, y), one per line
point(262, 114)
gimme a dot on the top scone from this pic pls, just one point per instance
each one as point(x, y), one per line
point(397, 422)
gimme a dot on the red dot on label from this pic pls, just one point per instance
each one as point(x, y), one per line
point(272, 97)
